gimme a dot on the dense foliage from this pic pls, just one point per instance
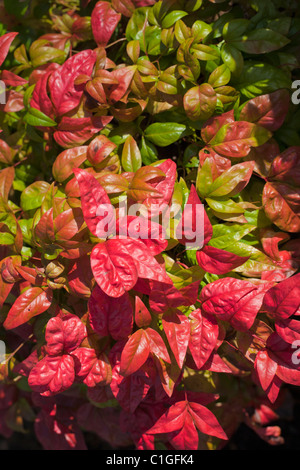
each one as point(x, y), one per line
point(173, 104)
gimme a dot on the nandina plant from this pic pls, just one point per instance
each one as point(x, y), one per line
point(149, 220)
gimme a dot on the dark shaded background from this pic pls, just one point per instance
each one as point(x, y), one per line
point(243, 439)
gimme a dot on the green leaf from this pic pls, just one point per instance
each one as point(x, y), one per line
point(260, 41)
point(220, 76)
point(204, 178)
point(200, 30)
point(131, 156)
point(200, 102)
point(233, 58)
point(256, 264)
point(260, 78)
point(204, 52)
point(6, 238)
point(225, 234)
point(227, 206)
point(32, 197)
point(35, 117)
point(172, 17)
point(148, 151)
point(235, 28)
point(165, 133)
point(231, 181)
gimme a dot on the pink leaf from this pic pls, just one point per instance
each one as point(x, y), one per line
point(110, 316)
point(91, 368)
point(165, 296)
point(32, 302)
point(203, 336)
point(206, 421)
point(135, 353)
point(266, 368)
point(142, 316)
point(217, 261)
point(73, 131)
point(283, 300)
point(65, 96)
point(233, 300)
point(194, 226)
point(104, 21)
point(65, 334)
point(52, 375)
point(5, 43)
point(268, 111)
point(114, 268)
point(177, 329)
point(98, 211)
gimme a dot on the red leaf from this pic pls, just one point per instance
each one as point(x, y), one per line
point(32, 302)
point(123, 77)
point(67, 224)
point(7, 176)
point(135, 353)
point(214, 124)
point(233, 300)
point(64, 335)
point(52, 375)
point(138, 348)
point(194, 227)
point(205, 420)
point(125, 7)
point(165, 296)
point(114, 268)
point(268, 111)
point(118, 263)
point(265, 367)
point(164, 186)
point(217, 163)
point(80, 277)
point(65, 97)
point(150, 233)
point(5, 287)
point(236, 139)
point(110, 316)
point(172, 420)
point(11, 79)
point(131, 390)
point(44, 231)
point(100, 148)
point(283, 300)
point(187, 437)
point(142, 316)
point(286, 167)
point(288, 330)
point(98, 211)
point(76, 131)
point(157, 345)
point(281, 203)
point(40, 99)
point(5, 43)
point(216, 261)
point(66, 161)
point(92, 369)
point(204, 333)
point(177, 329)
point(104, 21)
point(176, 418)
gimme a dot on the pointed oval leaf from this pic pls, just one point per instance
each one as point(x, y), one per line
point(32, 302)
